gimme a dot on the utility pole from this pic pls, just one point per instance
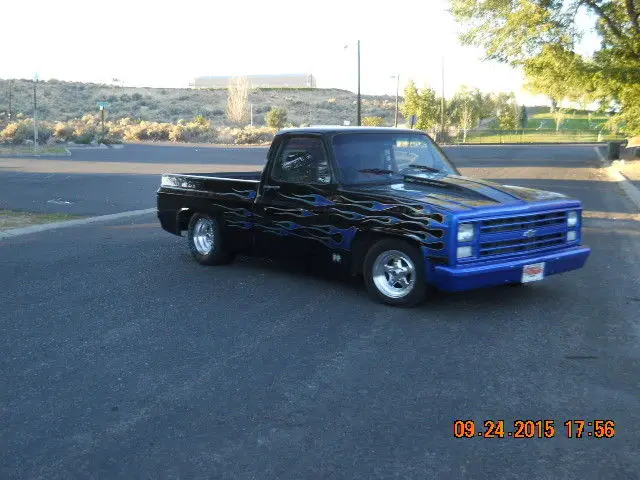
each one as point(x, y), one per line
point(442, 102)
point(359, 108)
point(397, 76)
point(35, 113)
point(359, 101)
point(251, 113)
point(10, 99)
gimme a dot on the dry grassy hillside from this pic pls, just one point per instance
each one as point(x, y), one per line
point(68, 100)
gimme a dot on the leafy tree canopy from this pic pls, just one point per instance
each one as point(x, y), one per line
point(541, 37)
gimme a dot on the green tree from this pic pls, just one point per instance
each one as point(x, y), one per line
point(465, 109)
point(276, 117)
point(506, 111)
point(409, 107)
point(559, 74)
point(428, 109)
point(533, 33)
point(523, 118)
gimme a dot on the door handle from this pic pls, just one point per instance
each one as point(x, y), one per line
point(271, 187)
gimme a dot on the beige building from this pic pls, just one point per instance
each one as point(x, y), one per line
point(260, 81)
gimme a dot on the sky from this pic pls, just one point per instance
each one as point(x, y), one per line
point(168, 44)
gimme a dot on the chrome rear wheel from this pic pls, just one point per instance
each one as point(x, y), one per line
point(206, 242)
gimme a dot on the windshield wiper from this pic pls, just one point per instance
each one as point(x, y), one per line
point(376, 171)
point(423, 167)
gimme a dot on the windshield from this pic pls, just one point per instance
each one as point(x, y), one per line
point(372, 157)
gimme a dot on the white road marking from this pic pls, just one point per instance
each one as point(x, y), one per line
point(72, 223)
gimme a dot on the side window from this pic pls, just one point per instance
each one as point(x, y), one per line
point(302, 160)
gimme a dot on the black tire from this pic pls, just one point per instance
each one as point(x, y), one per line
point(216, 254)
point(383, 292)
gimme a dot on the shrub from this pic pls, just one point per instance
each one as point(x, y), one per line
point(63, 131)
point(84, 138)
point(373, 121)
point(253, 135)
point(276, 118)
point(17, 132)
point(226, 136)
point(136, 97)
point(148, 131)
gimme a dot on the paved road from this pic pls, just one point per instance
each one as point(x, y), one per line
point(122, 358)
point(99, 182)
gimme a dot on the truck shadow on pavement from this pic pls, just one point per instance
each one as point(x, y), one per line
point(322, 280)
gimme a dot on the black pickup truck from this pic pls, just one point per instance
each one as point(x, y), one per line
point(385, 203)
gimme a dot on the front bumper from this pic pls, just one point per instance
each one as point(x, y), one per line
point(455, 279)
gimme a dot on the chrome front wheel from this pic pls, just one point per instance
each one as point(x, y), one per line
point(394, 274)
point(203, 236)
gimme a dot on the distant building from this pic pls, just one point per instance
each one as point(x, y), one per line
point(259, 81)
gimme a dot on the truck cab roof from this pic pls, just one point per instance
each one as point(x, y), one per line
point(330, 129)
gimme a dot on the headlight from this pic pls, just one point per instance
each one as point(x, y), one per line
point(465, 232)
point(464, 252)
point(572, 236)
point(572, 219)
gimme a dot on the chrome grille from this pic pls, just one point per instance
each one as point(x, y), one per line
point(521, 245)
point(522, 222)
point(519, 234)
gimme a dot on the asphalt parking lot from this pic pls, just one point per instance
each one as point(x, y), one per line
point(123, 358)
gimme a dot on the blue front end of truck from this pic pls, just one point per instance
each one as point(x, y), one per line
point(511, 245)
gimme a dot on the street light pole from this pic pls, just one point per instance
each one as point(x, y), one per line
point(442, 102)
point(359, 108)
point(397, 89)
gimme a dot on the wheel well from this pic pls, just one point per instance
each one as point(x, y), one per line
point(183, 217)
point(362, 243)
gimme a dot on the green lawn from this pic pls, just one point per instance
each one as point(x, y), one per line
point(27, 150)
point(571, 121)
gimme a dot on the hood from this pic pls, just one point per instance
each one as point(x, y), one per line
point(458, 193)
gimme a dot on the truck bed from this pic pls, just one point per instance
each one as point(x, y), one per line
point(231, 193)
point(255, 175)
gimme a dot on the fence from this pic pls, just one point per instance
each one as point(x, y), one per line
point(536, 136)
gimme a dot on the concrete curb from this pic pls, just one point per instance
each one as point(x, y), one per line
point(523, 144)
point(623, 182)
point(72, 223)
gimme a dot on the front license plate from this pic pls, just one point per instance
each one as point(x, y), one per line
point(533, 272)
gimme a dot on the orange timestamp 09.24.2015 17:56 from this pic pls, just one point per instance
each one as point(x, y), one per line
point(546, 428)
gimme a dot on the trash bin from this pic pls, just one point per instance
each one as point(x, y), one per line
point(614, 150)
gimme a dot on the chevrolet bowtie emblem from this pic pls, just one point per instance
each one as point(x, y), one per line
point(529, 233)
